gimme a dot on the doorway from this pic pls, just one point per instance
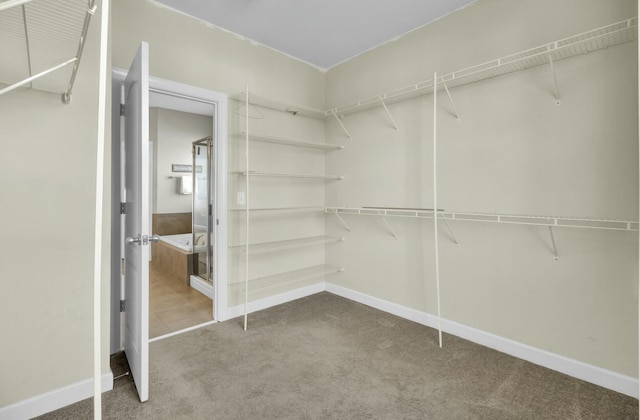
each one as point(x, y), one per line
point(173, 97)
point(180, 190)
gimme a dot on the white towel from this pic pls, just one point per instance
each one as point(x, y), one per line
point(186, 184)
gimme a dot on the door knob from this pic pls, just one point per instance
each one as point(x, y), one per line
point(133, 241)
point(154, 238)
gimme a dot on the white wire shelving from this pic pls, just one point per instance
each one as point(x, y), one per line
point(293, 175)
point(281, 210)
point(288, 141)
point(275, 246)
point(280, 279)
point(550, 221)
point(293, 109)
point(42, 43)
point(596, 39)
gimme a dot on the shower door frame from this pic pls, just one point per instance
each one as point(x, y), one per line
point(212, 198)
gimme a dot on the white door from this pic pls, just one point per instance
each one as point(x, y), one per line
point(137, 232)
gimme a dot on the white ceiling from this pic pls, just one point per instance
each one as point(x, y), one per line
point(322, 33)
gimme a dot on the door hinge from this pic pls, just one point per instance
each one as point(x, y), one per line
point(123, 306)
point(122, 266)
point(123, 208)
point(122, 109)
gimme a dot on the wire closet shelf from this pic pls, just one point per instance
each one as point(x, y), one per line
point(551, 221)
point(596, 39)
point(43, 41)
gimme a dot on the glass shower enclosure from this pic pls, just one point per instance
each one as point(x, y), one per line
point(203, 215)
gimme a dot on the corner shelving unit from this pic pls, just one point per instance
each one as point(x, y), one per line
point(289, 277)
point(44, 41)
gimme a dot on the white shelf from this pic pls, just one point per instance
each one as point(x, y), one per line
point(552, 221)
point(42, 43)
point(289, 142)
point(600, 38)
point(289, 277)
point(282, 210)
point(292, 109)
point(265, 247)
point(293, 175)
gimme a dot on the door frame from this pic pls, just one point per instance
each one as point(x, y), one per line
point(187, 99)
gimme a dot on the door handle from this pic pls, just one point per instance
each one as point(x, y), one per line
point(142, 240)
point(133, 241)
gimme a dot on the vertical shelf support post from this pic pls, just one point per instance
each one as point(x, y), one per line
point(246, 242)
point(435, 204)
point(393, 122)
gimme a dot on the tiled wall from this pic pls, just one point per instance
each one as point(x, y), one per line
point(171, 223)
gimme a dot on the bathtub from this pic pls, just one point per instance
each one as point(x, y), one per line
point(175, 255)
point(184, 241)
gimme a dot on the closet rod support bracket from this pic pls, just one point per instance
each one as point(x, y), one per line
point(453, 236)
point(342, 125)
point(553, 244)
point(555, 81)
point(393, 122)
point(342, 222)
point(393, 233)
point(455, 109)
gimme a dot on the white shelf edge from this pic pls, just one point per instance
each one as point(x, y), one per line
point(282, 210)
point(529, 220)
point(265, 247)
point(288, 141)
point(293, 276)
point(596, 39)
point(293, 109)
point(292, 175)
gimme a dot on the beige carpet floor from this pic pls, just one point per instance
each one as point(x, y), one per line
point(325, 357)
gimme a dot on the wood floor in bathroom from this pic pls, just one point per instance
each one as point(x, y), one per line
point(173, 305)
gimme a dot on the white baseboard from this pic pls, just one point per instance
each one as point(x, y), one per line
point(260, 304)
point(53, 400)
point(605, 378)
point(201, 286)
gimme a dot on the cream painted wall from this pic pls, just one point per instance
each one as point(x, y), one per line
point(514, 152)
point(48, 169)
point(172, 145)
point(185, 50)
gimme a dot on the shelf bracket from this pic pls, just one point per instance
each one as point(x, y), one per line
point(453, 236)
point(388, 226)
point(393, 122)
point(455, 109)
point(342, 125)
point(553, 244)
point(555, 81)
point(342, 222)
